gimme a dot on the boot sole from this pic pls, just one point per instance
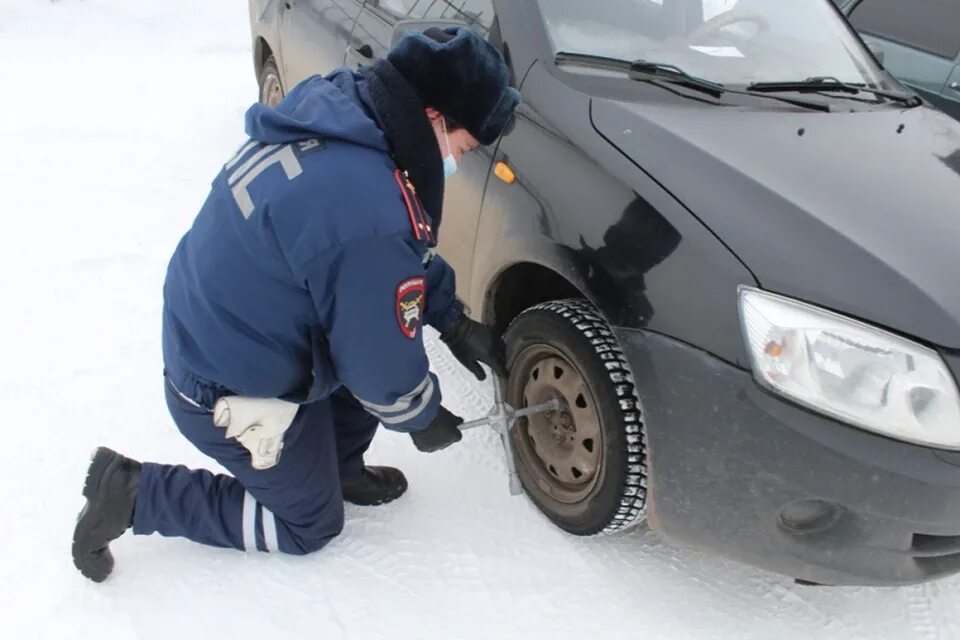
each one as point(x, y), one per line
point(83, 560)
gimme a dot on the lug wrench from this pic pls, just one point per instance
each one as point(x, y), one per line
point(501, 419)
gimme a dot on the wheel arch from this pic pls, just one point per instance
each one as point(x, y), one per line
point(521, 286)
point(261, 51)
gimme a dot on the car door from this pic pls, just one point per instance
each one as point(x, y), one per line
point(920, 41)
point(314, 36)
point(371, 34)
point(951, 93)
point(376, 23)
point(464, 191)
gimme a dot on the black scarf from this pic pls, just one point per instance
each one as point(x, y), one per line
point(413, 144)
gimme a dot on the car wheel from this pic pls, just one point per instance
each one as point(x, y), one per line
point(585, 465)
point(271, 89)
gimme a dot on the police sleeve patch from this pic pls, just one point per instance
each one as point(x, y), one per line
point(410, 301)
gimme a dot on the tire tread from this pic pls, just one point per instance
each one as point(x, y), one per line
point(633, 489)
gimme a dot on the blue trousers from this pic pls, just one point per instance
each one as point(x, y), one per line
point(294, 507)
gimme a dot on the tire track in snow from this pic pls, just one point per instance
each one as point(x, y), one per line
point(920, 611)
point(469, 398)
point(791, 596)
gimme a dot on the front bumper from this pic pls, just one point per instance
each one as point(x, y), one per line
point(736, 470)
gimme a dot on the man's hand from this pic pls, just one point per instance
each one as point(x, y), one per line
point(439, 434)
point(472, 343)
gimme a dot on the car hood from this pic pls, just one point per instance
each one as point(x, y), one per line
point(858, 212)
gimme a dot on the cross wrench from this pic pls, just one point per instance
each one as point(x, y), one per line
point(501, 419)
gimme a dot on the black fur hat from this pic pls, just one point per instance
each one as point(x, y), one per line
point(461, 75)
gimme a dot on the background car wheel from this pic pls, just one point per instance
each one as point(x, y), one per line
point(271, 89)
point(583, 466)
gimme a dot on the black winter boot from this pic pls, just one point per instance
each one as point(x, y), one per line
point(377, 485)
point(111, 493)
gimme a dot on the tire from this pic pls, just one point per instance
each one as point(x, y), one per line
point(586, 470)
point(271, 88)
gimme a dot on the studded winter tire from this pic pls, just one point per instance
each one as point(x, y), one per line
point(585, 465)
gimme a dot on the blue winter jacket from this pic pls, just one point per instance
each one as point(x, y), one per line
point(309, 267)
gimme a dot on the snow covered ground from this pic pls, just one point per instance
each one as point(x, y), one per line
point(114, 116)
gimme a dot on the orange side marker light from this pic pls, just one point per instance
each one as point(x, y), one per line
point(505, 173)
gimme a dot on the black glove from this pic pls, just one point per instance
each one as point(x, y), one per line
point(473, 343)
point(439, 434)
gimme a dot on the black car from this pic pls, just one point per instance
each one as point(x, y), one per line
point(917, 41)
point(730, 242)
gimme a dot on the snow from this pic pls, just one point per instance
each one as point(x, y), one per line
point(115, 116)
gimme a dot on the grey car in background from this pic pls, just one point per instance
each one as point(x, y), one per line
point(917, 40)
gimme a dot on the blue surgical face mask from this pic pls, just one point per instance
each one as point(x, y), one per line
point(449, 166)
point(449, 162)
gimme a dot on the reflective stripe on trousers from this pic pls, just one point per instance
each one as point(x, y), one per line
point(295, 507)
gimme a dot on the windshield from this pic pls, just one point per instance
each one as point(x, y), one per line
point(734, 42)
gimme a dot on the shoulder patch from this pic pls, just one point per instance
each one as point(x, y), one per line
point(411, 295)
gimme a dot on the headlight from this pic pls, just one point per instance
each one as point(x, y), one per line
point(862, 375)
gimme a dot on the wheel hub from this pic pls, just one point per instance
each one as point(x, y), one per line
point(564, 431)
point(565, 445)
point(272, 91)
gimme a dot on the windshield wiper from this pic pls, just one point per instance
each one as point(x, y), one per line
point(644, 70)
point(826, 83)
point(657, 72)
point(589, 60)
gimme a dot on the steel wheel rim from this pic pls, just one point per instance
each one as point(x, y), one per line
point(272, 92)
point(562, 449)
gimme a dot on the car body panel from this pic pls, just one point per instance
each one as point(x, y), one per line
point(376, 23)
point(373, 28)
point(312, 36)
point(726, 459)
point(581, 208)
point(815, 204)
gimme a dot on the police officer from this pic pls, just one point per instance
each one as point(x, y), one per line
point(293, 308)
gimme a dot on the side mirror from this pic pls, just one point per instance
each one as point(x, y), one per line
point(877, 52)
point(405, 26)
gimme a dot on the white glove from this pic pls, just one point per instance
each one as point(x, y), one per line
point(256, 423)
